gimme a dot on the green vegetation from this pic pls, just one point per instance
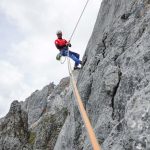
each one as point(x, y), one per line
point(32, 137)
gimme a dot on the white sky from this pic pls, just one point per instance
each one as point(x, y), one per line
point(27, 51)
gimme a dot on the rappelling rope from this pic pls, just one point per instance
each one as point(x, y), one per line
point(76, 26)
point(78, 20)
point(83, 113)
point(62, 62)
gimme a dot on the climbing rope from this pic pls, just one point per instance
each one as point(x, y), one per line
point(76, 27)
point(83, 113)
point(62, 61)
point(78, 20)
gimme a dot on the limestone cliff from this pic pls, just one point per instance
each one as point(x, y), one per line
point(114, 84)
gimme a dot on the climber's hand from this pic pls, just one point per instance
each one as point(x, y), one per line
point(68, 43)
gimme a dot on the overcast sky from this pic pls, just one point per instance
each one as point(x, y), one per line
point(27, 51)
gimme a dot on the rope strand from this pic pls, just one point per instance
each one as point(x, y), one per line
point(92, 137)
point(78, 20)
point(76, 28)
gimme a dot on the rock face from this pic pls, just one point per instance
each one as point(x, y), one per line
point(35, 123)
point(36, 104)
point(114, 84)
point(47, 113)
point(14, 134)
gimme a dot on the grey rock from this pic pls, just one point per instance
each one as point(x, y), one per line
point(14, 133)
point(45, 129)
point(115, 71)
point(47, 113)
point(48, 129)
point(56, 100)
point(36, 104)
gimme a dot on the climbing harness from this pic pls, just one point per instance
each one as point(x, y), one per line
point(83, 113)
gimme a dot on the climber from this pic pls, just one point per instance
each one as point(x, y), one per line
point(62, 45)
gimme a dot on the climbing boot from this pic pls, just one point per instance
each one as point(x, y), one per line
point(75, 68)
point(81, 63)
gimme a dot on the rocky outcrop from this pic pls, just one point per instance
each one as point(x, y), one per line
point(47, 130)
point(36, 122)
point(36, 104)
point(14, 134)
point(47, 113)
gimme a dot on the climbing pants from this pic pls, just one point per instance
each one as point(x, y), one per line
point(72, 55)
